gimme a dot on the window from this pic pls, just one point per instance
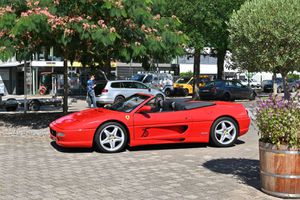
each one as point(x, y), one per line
point(148, 79)
point(116, 85)
point(128, 85)
point(139, 86)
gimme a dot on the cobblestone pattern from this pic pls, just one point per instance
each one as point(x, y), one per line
point(32, 168)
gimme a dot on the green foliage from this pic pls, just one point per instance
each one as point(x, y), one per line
point(278, 121)
point(293, 76)
point(205, 22)
point(265, 34)
point(186, 74)
point(92, 31)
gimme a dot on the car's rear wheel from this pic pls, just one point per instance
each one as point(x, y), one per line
point(34, 105)
point(227, 97)
point(224, 132)
point(111, 137)
point(279, 90)
point(186, 92)
point(119, 99)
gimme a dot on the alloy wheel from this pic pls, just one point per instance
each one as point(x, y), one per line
point(225, 132)
point(112, 138)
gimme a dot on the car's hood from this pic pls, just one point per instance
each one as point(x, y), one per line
point(85, 119)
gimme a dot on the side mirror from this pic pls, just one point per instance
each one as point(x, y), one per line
point(145, 109)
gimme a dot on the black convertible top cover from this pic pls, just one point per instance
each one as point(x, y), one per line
point(194, 104)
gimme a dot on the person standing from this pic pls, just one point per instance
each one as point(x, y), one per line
point(91, 92)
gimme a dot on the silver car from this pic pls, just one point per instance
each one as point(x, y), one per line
point(116, 91)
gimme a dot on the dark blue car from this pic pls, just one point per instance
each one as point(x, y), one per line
point(227, 90)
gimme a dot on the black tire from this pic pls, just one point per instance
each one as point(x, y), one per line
point(168, 92)
point(119, 99)
point(293, 89)
point(11, 104)
point(185, 92)
point(227, 97)
point(100, 133)
point(214, 137)
point(159, 97)
point(279, 90)
point(34, 105)
point(252, 96)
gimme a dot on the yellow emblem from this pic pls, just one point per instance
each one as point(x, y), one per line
point(127, 117)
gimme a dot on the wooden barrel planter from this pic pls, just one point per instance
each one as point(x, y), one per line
point(279, 170)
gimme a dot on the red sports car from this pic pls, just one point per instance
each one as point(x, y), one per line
point(142, 120)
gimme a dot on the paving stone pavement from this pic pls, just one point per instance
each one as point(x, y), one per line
point(34, 168)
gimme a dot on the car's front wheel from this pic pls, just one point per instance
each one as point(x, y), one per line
point(111, 137)
point(224, 132)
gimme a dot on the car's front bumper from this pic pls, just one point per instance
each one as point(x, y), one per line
point(72, 138)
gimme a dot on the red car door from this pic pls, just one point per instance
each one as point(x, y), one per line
point(161, 127)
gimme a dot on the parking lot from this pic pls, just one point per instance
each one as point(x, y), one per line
point(33, 167)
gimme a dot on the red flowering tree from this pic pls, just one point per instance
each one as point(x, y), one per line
point(90, 31)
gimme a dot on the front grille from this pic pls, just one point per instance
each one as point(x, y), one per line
point(53, 132)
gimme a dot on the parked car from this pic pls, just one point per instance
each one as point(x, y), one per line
point(252, 83)
point(161, 81)
point(141, 120)
point(117, 91)
point(298, 83)
point(228, 90)
point(267, 85)
point(187, 83)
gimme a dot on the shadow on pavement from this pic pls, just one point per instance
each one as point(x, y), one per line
point(167, 147)
point(238, 142)
point(71, 150)
point(32, 120)
point(246, 171)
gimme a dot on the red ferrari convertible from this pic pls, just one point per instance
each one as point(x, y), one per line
point(142, 120)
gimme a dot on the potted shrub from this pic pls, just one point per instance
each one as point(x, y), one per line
point(278, 121)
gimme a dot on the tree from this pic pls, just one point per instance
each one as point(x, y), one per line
point(205, 22)
point(90, 31)
point(217, 15)
point(191, 17)
point(264, 36)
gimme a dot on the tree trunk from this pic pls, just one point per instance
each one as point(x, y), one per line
point(274, 84)
point(25, 86)
point(107, 68)
point(197, 55)
point(220, 63)
point(66, 86)
point(285, 87)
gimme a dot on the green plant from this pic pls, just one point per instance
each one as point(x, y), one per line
point(278, 121)
point(264, 37)
point(188, 74)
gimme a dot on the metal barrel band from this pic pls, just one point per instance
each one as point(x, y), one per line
point(280, 151)
point(280, 175)
point(280, 194)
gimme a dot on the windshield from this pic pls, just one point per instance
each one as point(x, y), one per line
point(129, 104)
point(138, 77)
point(183, 80)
